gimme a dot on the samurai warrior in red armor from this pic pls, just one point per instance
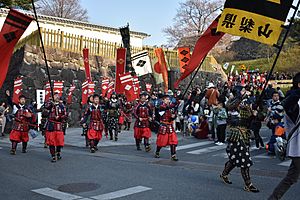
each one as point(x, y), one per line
point(142, 130)
point(92, 119)
point(166, 134)
point(23, 119)
point(113, 116)
point(128, 109)
point(54, 127)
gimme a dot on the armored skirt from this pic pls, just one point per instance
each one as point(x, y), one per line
point(55, 138)
point(19, 136)
point(166, 136)
point(140, 133)
point(94, 135)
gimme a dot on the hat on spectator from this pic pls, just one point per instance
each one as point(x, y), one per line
point(210, 85)
point(170, 93)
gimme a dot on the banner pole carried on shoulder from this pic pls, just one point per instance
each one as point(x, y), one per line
point(288, 28)
point(193, 77)
point(43, 48)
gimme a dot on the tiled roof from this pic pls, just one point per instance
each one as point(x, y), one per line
point(4, 11)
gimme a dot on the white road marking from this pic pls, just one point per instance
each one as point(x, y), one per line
point(263, 155)
point(207, 150)
point(193, 145)
point(286, 163)
point(121, 193)
point(56, 194)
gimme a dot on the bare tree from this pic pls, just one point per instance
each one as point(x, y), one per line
point(70, 9)
point(192, 18)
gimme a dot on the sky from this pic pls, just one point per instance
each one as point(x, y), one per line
point(148, 16)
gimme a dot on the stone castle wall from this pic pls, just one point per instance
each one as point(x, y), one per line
point(29, 63)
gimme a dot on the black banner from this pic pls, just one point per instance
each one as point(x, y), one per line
point(125, 33)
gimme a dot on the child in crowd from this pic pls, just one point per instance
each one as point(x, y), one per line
point(202, 130)
point(277, 131)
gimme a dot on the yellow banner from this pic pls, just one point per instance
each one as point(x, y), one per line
point(250, 25)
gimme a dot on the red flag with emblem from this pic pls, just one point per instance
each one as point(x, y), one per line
point(71, 90)
point(184, 55)
point(204, 44)
point(136, 87)
point(17, 89)
point(127, 85)
point(104, 86)
point(110, 89)
point(14, 26)
point(91, 89)
point(58, 87)
point(47, 91)
point(87, 64)
point(84, 94)
point(120, 68)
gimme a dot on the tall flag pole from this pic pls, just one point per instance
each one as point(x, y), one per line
point(193, 77)
point(280, 49)
point(43, 47)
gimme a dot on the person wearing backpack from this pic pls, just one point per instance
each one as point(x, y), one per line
point(291, 105)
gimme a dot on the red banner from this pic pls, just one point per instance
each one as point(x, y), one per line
point(14, 26)
point(110, 89)
point(120, 68)
point(71, 90)
point(87, 64)
point(184, 57)
point(91, 89)
point(104, 86)
point(84, 94)
point(161, 66)
point(57, 88)
point(47, 91)
point(204, 44)
point(17, 89)
point(127, 85)
point(136, 87)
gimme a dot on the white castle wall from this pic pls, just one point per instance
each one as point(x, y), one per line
point(105, 35)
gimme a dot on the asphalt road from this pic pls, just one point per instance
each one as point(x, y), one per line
point(121, 172)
